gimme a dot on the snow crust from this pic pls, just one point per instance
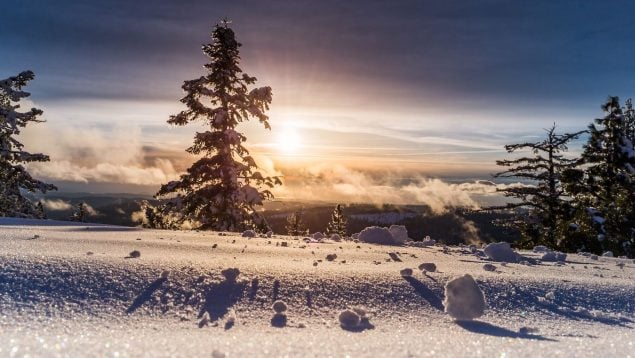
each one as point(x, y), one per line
point(68, 288)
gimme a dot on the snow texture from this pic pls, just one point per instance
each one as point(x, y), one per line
point(58, 300)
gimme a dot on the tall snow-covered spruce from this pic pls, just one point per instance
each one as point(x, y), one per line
point(222, 189)
point(607, 184)
point(14, 178)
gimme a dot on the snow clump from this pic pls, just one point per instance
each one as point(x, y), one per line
point(399, 233)
point(489, 267)
point(501, 251)
point(349, 319)
point(608, 254)
point(407, 272)
point(553, 256)
point(249, 233)
point(464, 300)
point(428, 266)
point(377, 235)
point(279, 306)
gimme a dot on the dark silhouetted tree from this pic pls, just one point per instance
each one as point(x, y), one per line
point(80, 213)
point(544, 206)
point(221, 190)
point(14, 178)
point(338, 222)
point(295, 224)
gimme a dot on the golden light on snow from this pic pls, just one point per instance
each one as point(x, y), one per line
point(289, 141)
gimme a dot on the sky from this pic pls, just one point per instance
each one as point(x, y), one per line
point(371, 99)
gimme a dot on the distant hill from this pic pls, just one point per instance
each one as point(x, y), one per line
point(453, 227)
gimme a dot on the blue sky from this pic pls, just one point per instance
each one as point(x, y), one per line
point(418, 88)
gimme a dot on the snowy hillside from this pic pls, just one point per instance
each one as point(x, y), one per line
point(98, 290)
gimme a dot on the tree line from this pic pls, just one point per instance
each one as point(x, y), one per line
point(577, 203)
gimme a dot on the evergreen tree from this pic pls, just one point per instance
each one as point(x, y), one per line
point(39, 208)
point(80, 213)
point(606, 187)
point(158, 217)
point(222, 189)
point(544, 205)
point(14, 178)
point(338, 222)
point(295, 224)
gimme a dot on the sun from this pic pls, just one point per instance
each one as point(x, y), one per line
point(289, 141)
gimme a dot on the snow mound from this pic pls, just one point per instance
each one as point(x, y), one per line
point(318, 236)
point(541, 248)
point(399, 233)
point(607, 254)
point(553, 256)
point(377, 235)
point(464, 300)
point(249, 233)
point(501, 252)
point(336, 237)
point(428, 241)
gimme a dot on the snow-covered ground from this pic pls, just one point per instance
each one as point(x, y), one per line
point(75, 289)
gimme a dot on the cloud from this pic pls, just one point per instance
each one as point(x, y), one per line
point(337, 183)
point(90, 210)
point(56, 205)
point(84, 155)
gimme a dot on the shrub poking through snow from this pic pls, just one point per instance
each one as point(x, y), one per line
point(501, 251)
point(428, 267)
point(134, 254)
point(464, 300)
point(279, 306)
point(407, 272)
point(377, 235)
